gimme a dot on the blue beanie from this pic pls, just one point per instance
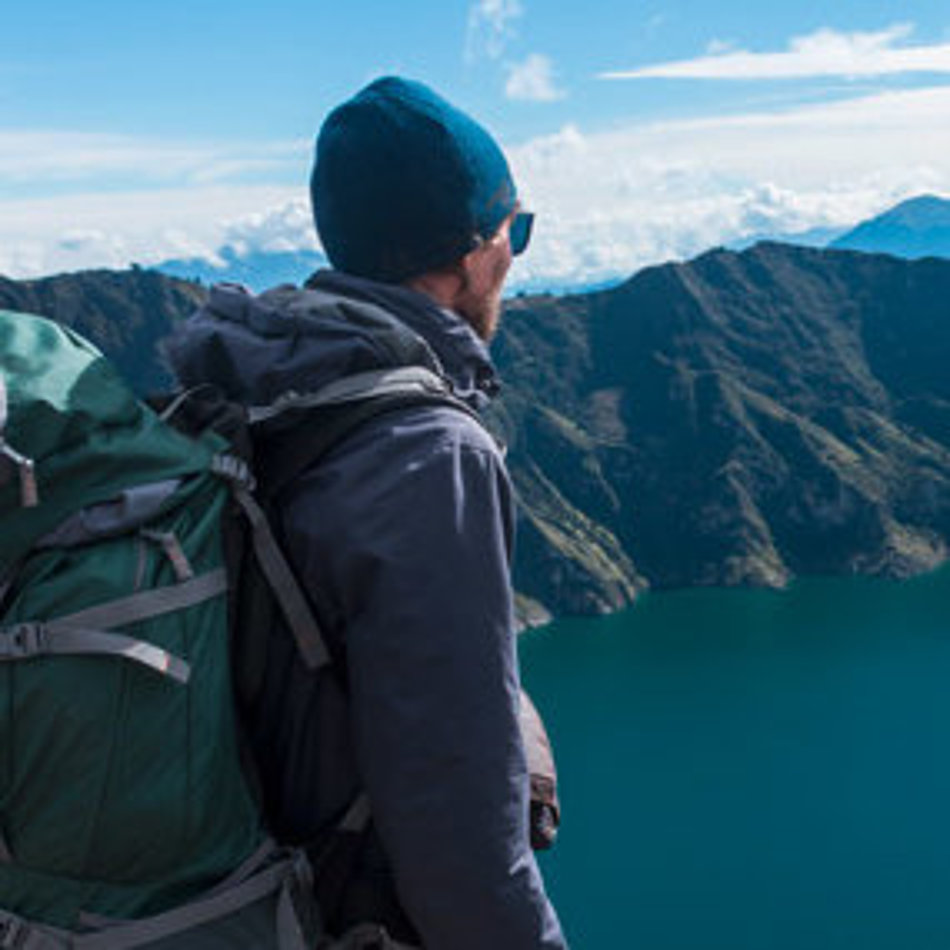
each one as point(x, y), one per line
point(404, 182)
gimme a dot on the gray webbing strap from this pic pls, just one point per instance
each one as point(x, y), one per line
point(303, 625)
point(29, 496)
point(289, 932)
point(27, 640)
point(203, 911)
point(129, 509)
point(357, 816)
point(172, 549)
point(248, 867)
point(29, 493)
point(147, 603)
point(85, 630)
point(168, 413)
point(401, 381)
point(241, 873)
point(19, 934)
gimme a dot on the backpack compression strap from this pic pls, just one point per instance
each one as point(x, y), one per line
point(89, 631)
point(269, 871)
point(306, 426)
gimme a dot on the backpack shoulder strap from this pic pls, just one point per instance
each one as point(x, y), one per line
point(358, 387)
point(308, 427)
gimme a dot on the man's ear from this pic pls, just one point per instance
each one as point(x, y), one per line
point(463, 269)
point(446, 284)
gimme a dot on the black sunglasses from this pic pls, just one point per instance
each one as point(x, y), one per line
point(519, 233)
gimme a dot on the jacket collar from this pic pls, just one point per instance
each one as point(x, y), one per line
point(464, 357)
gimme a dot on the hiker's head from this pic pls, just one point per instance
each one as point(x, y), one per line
point(408, 189)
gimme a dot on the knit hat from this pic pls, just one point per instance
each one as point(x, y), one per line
point(403, 182)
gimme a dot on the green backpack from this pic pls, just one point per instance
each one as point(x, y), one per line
point(126, 815)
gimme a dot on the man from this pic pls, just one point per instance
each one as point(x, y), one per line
point(402, 533)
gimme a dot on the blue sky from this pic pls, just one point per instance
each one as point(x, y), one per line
point(638, 130)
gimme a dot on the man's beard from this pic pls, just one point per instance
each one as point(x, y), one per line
point(482, 311)
point(482, 314)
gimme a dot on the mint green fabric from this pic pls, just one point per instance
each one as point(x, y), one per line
point(121, 790)
point(89, 436)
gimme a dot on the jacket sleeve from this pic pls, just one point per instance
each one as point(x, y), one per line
point(421, 570)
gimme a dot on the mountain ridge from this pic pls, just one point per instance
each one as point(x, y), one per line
point(753, 415)
point(741, 418)
point(125, 313)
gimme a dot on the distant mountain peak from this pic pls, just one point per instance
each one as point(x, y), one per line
point(917, 227)
point(256, 269)
point(922, 209)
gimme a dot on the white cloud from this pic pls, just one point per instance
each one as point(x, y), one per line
point(94, 229)
point(608, 203)
point(40, 157)
point(823, 53)
point(287, 227)
point(717, 47)
point(135, 199)
point(532, 80)
point(491, 25)
point(612, 202)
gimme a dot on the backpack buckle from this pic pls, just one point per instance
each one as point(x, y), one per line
point(25, 640)
point(233, 469)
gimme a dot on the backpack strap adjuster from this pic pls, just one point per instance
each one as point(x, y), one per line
point(29, 493)
point(21, 641)
point(233, 469)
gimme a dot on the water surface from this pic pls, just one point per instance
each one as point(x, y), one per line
point(752, 770)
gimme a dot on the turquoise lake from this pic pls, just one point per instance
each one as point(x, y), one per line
point(752, 770)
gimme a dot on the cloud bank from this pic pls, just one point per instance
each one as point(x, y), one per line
point(825, 53)
point(612, 202)
point(608, 202)
point(77, 231)
point(49, 157)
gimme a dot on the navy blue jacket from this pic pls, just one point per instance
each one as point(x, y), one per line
point(403, 535)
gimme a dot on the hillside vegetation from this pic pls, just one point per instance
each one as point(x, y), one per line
point(742, 418)
point(739, 419)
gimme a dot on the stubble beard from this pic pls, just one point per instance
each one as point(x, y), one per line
point(482, 314)
point(482, 311)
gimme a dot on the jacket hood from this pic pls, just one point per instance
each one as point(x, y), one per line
point(256, 348)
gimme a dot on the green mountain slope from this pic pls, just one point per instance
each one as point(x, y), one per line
point(125, 313)
point(742, 418)
point(739, 419)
